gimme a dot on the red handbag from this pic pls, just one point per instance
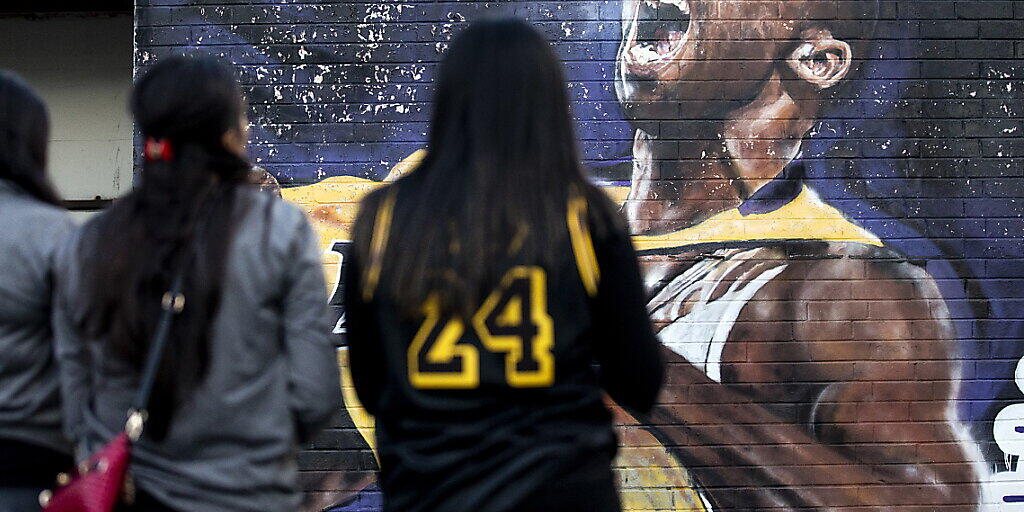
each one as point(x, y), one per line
point(100, 483)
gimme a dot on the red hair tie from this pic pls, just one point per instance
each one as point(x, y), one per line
point(157, 149)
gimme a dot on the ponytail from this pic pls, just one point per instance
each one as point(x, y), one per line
point(179, 216)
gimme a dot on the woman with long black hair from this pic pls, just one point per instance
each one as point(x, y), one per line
point(481, 288)
point(32, 226)
point(250, 371)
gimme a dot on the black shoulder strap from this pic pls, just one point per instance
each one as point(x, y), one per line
point(172, 303)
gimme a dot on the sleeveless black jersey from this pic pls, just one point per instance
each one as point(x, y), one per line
point(475, 414)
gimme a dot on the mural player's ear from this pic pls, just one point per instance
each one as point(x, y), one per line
point(821, 59)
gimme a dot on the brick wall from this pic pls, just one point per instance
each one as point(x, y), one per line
point(839, 232)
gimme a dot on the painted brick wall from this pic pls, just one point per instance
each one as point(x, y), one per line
point(828, 197)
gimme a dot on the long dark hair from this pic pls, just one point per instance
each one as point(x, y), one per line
point(24, 135)
point(180, 214)
point(502, 163)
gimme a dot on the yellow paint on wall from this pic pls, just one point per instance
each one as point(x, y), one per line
point(360, 418)
point(650, 478)
point(331, 205)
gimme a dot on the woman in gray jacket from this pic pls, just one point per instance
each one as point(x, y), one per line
point(32, 226)
point(249, 372)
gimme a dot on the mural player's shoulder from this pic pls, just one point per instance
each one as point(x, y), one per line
point(847, 260)
point(859, 261)
point(855, 272)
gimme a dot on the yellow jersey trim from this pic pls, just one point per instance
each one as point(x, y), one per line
point(806, 217)
point(378, 242)
point(583, 244)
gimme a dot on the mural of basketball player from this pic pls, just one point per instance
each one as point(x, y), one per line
point(811, 367)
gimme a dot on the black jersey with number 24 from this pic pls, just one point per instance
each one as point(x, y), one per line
point(486, 412)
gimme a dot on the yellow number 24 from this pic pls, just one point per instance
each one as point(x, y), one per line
point(513, 321)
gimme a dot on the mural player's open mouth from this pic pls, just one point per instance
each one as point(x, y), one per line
point(659, 32)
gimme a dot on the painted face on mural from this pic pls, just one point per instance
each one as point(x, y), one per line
point(717, 55)
point(733, 87)
point(696, 51)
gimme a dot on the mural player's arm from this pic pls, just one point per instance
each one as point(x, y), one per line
point(878, 435)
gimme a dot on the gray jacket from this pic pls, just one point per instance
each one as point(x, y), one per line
point(272, 379)
point(30, 233)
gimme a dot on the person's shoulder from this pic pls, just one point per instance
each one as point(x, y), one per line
point(40, 225)
point(35, 215)
point(262, 208)
point(269, 225)
point(373, 199)
point(47, 211)
point(371, 204)
point(266, 233)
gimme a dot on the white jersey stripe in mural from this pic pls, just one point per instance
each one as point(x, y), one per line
point(699, 335)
